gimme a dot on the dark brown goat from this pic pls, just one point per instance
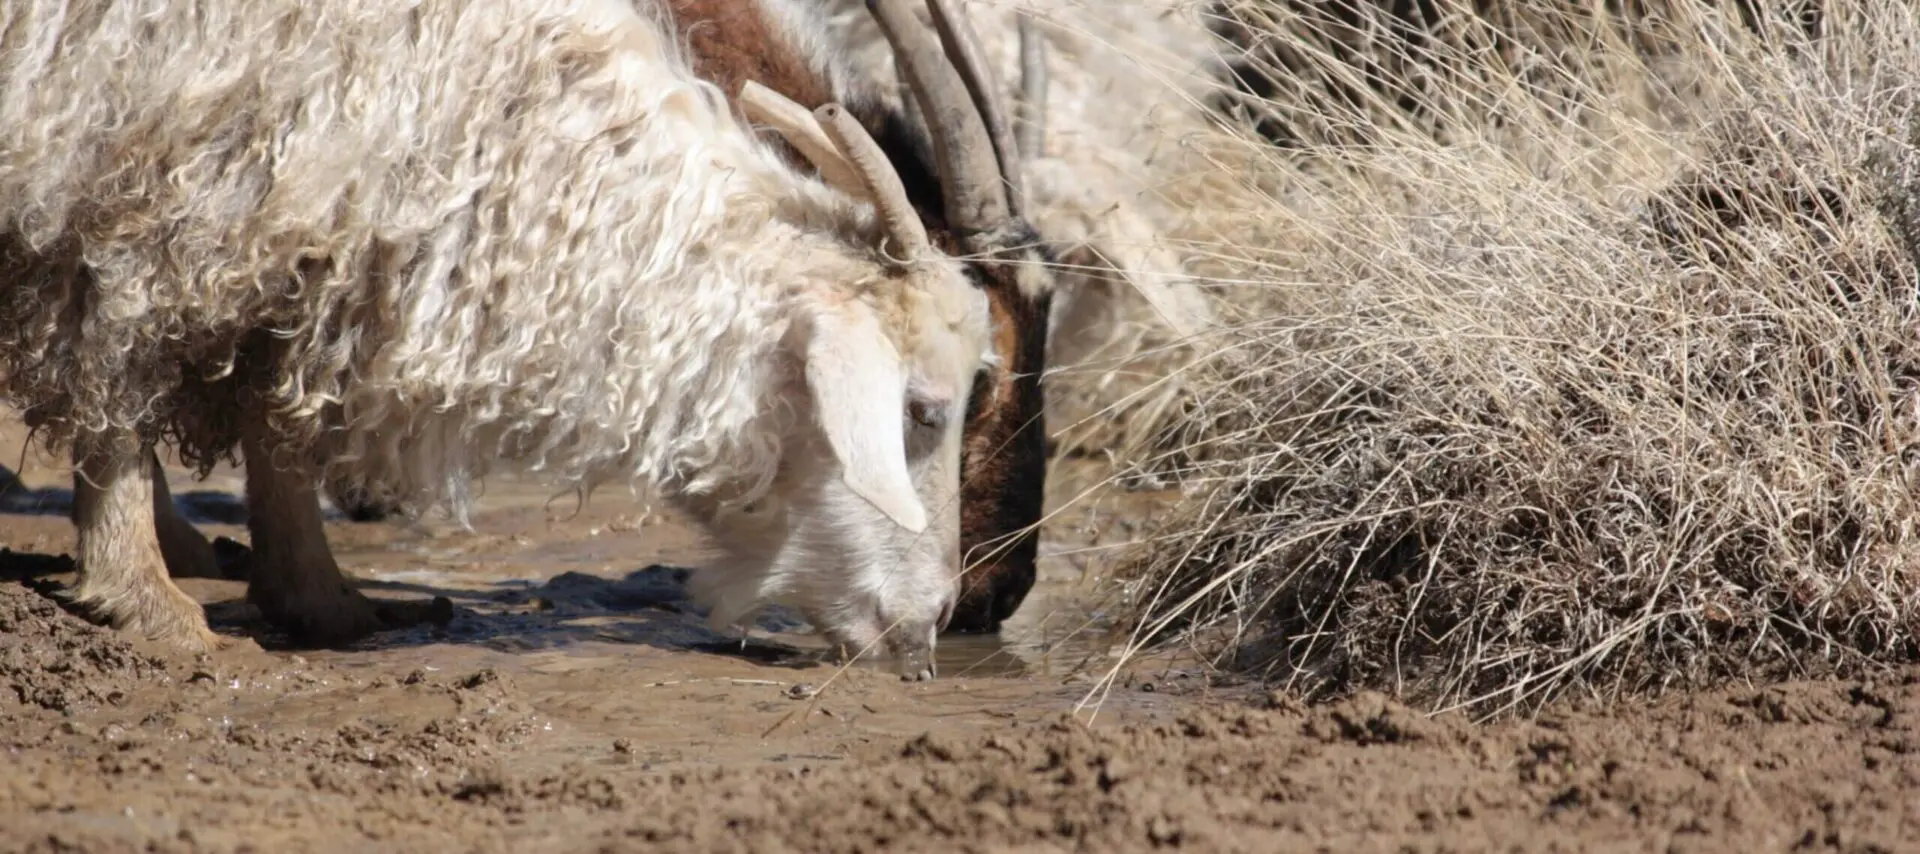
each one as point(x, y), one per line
point(1003, 468)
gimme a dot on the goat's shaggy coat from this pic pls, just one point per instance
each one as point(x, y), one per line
point(418, 237)
point(367, 183)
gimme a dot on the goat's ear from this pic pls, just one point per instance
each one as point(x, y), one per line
point(859, 392)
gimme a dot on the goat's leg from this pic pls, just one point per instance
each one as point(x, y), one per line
point(187, 551)
point(295, 581)
point(123, 566)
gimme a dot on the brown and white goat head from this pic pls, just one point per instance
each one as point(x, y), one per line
point(860, 531)
point(963, 175)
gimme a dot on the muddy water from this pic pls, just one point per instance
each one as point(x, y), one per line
point(582, 610)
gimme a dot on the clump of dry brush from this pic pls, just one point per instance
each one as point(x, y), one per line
point(1612, 383)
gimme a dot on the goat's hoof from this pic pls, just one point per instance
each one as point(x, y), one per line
point(337, 617)
point(344, 616)
point(163, 616)
point(400, 615)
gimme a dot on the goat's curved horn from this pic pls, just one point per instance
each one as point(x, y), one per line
point(908, 104)
point(1030, 118)
point(882, 183)
point(801, 130)
point(976, 200)
point(963, 49)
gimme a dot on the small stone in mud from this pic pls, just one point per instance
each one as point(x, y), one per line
point(801, 690)
point(623, 746)
point(1147, 687)
point(414, 677)
point(479, 678)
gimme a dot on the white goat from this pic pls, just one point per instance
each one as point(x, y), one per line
point(750, 46)
point(390, 243)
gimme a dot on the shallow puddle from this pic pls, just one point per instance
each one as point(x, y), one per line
point(577, 618)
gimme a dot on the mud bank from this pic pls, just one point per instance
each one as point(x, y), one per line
point(110, 747)
point(577, 702)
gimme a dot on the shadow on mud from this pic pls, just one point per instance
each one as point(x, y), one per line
point(199, 506)
point(647, 607)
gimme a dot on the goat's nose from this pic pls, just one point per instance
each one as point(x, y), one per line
point(915, 663)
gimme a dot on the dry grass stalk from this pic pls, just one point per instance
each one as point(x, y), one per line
point(1600, 371)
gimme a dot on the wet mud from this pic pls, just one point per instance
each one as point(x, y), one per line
point(577, 701)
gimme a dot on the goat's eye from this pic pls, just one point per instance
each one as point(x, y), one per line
point(925, 413)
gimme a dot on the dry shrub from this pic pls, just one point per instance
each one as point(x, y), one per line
point(1307, 72)
point(1612, 383)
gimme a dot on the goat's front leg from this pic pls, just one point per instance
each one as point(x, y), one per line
point(187, 551)
point(294, 580)
point(123, 558)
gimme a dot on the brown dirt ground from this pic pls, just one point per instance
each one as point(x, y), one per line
point(572, 705)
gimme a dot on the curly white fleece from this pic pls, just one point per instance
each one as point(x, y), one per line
point(442, 231)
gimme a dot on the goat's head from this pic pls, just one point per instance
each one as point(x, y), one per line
point(860, 530)
point(967, 194)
